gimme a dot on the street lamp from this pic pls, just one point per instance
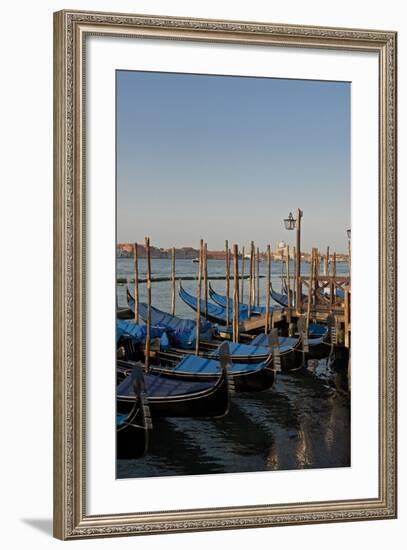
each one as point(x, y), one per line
point(348, 232)
point(291, 223)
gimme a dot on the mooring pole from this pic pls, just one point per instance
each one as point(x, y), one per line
point(136, 298)
point(198, 305)
point(242, 291)
point(316, 283)
point(148, 336)
point(253, 273)
point(326, 266)
point(288, 285)
point(298, 262)
point(258, 277)
point(310, 287)
point(205, 257)
point(235, 293)
point(282, 270)
point(250, 282)
point(173, 282)
point(267, 323)
point(227, 271)
point(295, 301)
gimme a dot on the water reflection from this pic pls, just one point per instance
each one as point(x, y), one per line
point(303, 422)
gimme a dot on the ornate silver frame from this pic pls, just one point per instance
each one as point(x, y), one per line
point(70, 518)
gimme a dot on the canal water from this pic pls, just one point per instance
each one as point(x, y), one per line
point(302, 422)
point(161, 291)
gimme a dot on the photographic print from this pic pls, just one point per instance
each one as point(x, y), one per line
point(233, 289)
point(220, 188)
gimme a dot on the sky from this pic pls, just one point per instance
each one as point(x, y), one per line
point(222, 157)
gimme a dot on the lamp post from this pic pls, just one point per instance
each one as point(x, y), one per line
point(348, 232)
point(291, 223)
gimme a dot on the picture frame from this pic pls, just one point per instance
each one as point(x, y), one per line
point(71, 203)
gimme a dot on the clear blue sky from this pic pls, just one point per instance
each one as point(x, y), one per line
point(219, 157)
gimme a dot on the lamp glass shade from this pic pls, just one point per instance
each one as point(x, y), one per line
point(289, 222)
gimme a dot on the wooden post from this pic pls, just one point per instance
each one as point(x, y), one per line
point(148, 336)
point(198, 305)
point(275, 350)
point(347, 319)
point(310, 287)
point(288, 285)
point(295, 297)
point(227, 267)
point(173, 283)
point(326, 265)
point(331, 293)
point(205, 268)
point(253, 274)
point(282, 270)
point(271, 269)
point(334, 266)
point(316, 282)
point(258, 277)
point(254, 277)
point(314, 277)
point(298, 262)
point(317, 263)
point(267, 324)
point(136, 298)
point(235, 293)
point(287, 275)
point(250, 281)
point(303, 334)
point(242, 288)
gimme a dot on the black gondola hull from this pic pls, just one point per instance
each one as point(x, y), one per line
point(132, 437)
point(211, 402)
point(258, 380)
point(214, 404)
point(319, 351)
point(292, 360)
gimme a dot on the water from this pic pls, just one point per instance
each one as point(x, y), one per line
point(161, 291)
point(302, 422)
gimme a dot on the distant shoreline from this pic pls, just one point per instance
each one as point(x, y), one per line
point(125, 250)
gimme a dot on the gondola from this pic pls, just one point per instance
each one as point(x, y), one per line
point(245, 376)
point(181, 332)
point(133, 424)
point(254, 351)
point(316, 333)
point(131, 338)
point(250, 352)
point(130, 329)
point(317, 349)
point(132, 434)
point(176, 398)
point(316, 330)
point(137, 333)
point(282, 299)
point(221, 301)
point(212, 312)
